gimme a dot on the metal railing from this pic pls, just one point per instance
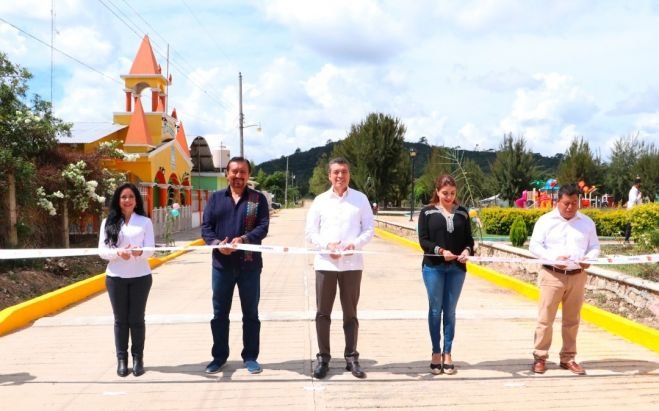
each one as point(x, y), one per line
point(165, 223)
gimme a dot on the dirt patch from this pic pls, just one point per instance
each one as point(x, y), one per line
point(604, 299)
point(20, 282)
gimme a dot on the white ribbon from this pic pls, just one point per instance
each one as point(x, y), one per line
point(7, 254)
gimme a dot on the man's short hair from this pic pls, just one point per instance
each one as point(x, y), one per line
point(239, 159)
point(568, 190)
point(637, 180)
point(337, 160)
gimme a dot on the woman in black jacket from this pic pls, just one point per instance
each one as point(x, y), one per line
point(445, 232)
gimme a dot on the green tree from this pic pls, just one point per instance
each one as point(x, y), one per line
point(319, 181)
point(26, 131)
point(400, 181)
point(275, 184)
point(371, 148)
point(579, 163)
point(436, 166)
point(622, 168)
point(471, 180)
point(647, 167)
point(513, 167)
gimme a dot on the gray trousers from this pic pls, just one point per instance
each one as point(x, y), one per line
point(349, 285)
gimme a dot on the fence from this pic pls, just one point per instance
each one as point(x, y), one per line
point(165, 224)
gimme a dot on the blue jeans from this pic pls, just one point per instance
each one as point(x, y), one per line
point(443, 284)
point(249, 289)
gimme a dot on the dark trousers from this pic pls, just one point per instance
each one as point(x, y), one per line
point(628, 231)
point(349, 285)
point(249, 290)
point(128, 298)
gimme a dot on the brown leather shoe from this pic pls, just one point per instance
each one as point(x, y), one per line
point(574, 367)
point(539, 366)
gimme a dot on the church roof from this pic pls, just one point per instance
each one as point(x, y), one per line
point(88, 132)
point(145, 61)
point(182, 140)
point(138, 132)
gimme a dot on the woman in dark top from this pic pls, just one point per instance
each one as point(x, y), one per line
point(445, 232)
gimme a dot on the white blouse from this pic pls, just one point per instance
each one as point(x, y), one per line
point(137, 232)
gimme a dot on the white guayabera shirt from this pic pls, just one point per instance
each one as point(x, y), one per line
point(348, 219)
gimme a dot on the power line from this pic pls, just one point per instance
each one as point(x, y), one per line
point(122, 20)
point(61, 52)
point(209, 35)
point(181, 70)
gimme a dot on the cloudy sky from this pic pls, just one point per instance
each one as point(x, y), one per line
point(460, 73)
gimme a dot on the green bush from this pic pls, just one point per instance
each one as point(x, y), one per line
point(499, 220)
point(518, 232)
point(648, 241)
point(610, 222)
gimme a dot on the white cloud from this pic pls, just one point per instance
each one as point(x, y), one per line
point(542, 115)
point(648, 126)
point(458, 73)
point(342, 29)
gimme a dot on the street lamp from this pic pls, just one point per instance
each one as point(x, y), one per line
point(241, 116)
point(412, 155)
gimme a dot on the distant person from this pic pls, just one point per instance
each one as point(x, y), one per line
point(128, 274)
point(339, 219)
point(562, 234)
point(635, 198)
point(445, 232)
point(236, 215)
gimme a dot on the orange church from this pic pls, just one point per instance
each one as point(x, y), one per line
point(160, 163)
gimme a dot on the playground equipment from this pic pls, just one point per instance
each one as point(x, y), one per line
point(542, 195)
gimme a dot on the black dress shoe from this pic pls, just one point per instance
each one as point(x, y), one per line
point(138, 365)
point(122, 367)
point(321, 370)
point(356, 370)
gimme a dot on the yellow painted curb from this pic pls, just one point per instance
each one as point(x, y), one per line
point(20, 315)
point(397, 239)
point(613, 323)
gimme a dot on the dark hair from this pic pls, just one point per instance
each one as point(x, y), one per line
point(441, 181)
point(239, 159)
point(568, 190)
point(637, 180)
point(115, 218)
point(338, 160)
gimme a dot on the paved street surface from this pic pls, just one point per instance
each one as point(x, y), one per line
point(66, 362)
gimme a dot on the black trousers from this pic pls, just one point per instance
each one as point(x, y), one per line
point(628, 231)
point(128, 298)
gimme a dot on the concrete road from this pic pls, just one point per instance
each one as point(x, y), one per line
point(66, 361)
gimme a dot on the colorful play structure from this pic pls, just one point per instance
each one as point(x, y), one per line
point(544, 193)
point(541, 196)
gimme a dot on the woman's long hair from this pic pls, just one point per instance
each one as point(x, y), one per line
point(443, 180)
point(115, 217)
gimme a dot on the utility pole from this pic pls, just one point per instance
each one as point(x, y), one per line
point(241, 116)
point(286, 186)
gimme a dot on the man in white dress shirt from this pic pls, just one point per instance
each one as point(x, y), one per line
point(562, 234)
point(635, 198)
point(339, 220)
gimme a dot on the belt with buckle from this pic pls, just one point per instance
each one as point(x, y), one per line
point(562, 271)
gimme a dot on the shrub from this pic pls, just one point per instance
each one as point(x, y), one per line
point(648, 241)
point(518, 232)
point(609, 222)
